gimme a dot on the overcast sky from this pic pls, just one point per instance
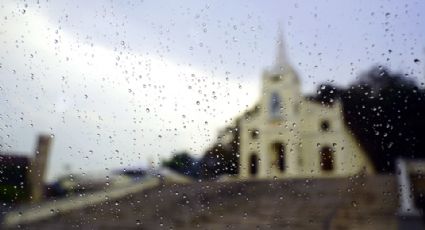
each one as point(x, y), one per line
point(122, 83)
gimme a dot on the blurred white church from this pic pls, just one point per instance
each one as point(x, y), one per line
point(288, 135)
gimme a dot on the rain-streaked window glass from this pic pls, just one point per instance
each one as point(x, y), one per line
point(162, 114)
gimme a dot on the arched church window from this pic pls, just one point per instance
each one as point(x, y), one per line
point(278, 149)
point(275, 106)
point(326, 158)
point(253, 164)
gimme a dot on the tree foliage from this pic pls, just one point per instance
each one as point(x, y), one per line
point(385, 111)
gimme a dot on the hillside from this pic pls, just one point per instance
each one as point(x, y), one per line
point(366, 203)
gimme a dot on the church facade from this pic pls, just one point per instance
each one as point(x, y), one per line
point(288, 135)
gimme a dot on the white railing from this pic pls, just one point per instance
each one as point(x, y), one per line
point(407, 204)
point(52, 208)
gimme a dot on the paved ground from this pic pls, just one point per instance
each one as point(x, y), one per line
point(353, 203)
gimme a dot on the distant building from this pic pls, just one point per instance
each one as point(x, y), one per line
point(288, 135)
point(22, 177)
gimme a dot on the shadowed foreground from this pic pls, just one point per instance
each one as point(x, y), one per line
point(354, 203)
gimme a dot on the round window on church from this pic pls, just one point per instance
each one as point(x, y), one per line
point(325, 126)
point(276, 78)
point(255, 133)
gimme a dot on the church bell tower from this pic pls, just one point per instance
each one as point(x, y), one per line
point(281, 88)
